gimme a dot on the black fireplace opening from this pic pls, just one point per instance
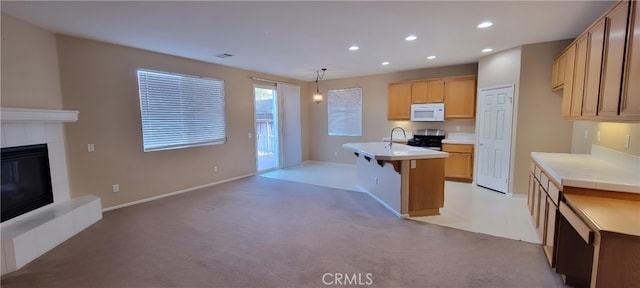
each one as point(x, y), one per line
point(26, 180)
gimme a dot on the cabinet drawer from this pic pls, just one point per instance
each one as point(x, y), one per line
point(537, 172)
point(583, 230)
point(544, 181)
point(554, 192)
point(459, 148)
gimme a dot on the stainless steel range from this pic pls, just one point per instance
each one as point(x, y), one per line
point(428, 138)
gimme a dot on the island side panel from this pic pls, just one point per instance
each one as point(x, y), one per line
point(387, 188)
point(426, 187)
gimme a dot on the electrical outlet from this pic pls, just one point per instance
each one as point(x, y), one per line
point(586, 134)
point(375, 180)
point(116, 188)
point(249, 135)
point(91, 148)
point(598, 136)
point(215, 169)
point(457, 128)
point(335, 154)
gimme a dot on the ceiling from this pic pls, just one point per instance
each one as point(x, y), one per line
point(294, 39)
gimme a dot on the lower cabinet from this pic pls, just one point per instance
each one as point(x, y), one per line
point(459, 165)
point(543, 199)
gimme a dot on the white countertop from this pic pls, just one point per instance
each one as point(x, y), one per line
point(460, 138)
point(592, 171)
point(397, 151)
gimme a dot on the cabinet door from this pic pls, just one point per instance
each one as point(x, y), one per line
point(630, 100)
point(399, 101)
point(594, 68)
point(555, 74)
point(419, 92)
point(550, 231)
point(458, 165)
point(562, 65)
point(613, 62)
point(536, 202)
point(542, 212)
point(435, 91)
point(579, 75)
point(460, 98)
point(570, 56)
point(531, 193)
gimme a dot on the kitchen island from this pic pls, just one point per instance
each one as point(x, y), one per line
point(407, 180)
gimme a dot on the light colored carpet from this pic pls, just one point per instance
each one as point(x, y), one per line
point(261, 232)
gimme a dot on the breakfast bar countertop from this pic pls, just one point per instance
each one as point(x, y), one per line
point(397, 151)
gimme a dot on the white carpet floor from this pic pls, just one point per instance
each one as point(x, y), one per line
point(466, 207)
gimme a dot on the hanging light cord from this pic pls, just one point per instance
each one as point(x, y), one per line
point(318, 77)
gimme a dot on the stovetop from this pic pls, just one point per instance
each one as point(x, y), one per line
point(427, 138)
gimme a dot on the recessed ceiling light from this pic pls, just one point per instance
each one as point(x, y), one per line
point(431, 57)
point(354, 48)
point(411, 38)
point(385, 63)
point(485, 50)
point(485, 24)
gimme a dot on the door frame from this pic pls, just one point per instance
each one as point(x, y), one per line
point(510, 155)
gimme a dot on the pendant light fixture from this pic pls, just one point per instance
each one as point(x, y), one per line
point(317, 97)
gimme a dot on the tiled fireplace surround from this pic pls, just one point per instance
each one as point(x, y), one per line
point(32, 234)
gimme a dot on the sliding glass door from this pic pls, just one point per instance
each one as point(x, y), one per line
point(267, 144)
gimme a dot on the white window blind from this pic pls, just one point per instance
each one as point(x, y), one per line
point(180, 111)
point(345, 112)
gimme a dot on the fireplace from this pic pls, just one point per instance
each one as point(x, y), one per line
point(26, 180)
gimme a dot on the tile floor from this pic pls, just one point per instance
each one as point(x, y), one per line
point(466, 207)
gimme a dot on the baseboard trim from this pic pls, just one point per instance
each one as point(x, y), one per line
point(174, 193)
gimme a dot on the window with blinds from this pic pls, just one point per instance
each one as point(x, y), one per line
point(180, 111)
point(345, 112)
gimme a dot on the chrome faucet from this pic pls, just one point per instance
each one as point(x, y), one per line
point(391, 138)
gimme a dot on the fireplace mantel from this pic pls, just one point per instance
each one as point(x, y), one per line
point(37, 115)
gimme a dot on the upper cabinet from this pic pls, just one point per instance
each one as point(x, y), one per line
point(399, 101)
point(457, 93)
point(427, 91)
point(558, 73)
point(460, 98)
point(630, 99)
point(600, 69)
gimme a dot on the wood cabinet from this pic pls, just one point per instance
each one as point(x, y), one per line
point(426, 186)
point(593, 69)
point(459, 165)
point(457, 93)
point(543, 199)
point(630, 99)
point(569, 61)
point(559, 71)
point(399, 101)
point(427, 91)
point(460, 98)
point(613, 61)
point(579, 75)
point(598, 81)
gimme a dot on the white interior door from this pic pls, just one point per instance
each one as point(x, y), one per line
point(494, 138)
point(291, 139)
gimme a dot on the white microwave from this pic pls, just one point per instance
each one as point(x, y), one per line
point(427, 112)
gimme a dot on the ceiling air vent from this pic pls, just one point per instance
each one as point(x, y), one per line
point(224, 55)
